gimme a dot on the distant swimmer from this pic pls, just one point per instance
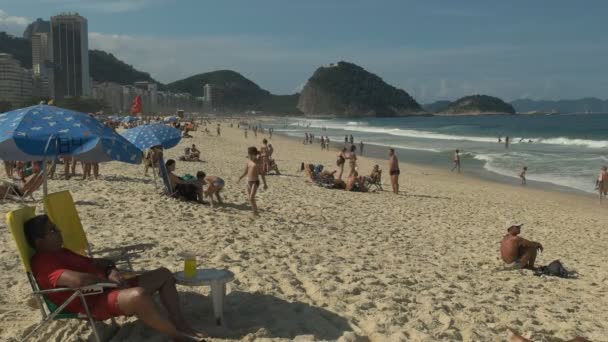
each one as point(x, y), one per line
point(499, 140)
point(530, 140)
point(507, 141)
point(522, 175)
point(456, 161)
point(521, 139)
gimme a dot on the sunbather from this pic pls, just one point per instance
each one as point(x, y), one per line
point(28, 184)
point(355, 183)
point(190, 190)
point(54, 267)
point(517, 252)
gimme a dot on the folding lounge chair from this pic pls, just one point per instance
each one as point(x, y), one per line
point(29, 188)
point(60, 208)
point(15, 220)
point(164, 174)
point(375, 182)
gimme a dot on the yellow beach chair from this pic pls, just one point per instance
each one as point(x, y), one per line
point(60, 208)
point(15, 220)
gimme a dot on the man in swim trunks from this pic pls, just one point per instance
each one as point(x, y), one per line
point(602, 182)
point(393, 170)
point(517, 252)
point(55, 267)
point(456, 161)
point(214, 185)
point(253, 173)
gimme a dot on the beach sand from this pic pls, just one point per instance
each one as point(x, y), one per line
point(331, 265)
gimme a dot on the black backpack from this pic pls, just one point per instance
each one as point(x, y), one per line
point(555, 269)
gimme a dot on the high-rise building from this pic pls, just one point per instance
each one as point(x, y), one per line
point(42, 66)
point(212, 97)
point(15, 82)
point(70, 55)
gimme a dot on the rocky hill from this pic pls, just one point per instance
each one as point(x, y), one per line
point(436, 106)
point(237, 92)
point(345, 89)
point(478, 105)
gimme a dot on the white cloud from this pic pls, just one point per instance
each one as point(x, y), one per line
point(12, 24)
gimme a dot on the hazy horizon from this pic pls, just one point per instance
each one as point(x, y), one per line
point(434, 50)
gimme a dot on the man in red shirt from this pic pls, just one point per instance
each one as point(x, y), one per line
point(54, 267)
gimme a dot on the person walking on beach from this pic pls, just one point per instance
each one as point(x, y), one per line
point(361, 147)
point(245, 133)
point(322, 143)
point(522, 175)
point(393, 170)
point(253, 173)
point(352, 160)
point(340, 162)
point(602, 183)
point(345, 139)
point(456, 161)
point(218, 130)
point(352, 140)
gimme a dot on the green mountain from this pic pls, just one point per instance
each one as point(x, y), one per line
point(20, 48)
point(478, 104)
point(237, 92)
point(586, 105)
point(436, 106)
point(105, 67)
point(345, 89)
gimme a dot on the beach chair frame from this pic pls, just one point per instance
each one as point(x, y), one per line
point(12, 194)
point(376, 182)
point(15, 220)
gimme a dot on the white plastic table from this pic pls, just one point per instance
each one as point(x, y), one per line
point(217, 280)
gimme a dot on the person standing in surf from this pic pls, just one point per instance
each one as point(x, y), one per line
point(507, 141)
point(361, 147)
point(602, 183)
point(393, 170)
point(456, 161)
point(522, 175)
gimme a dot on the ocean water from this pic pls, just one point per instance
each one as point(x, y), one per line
point(565, 150)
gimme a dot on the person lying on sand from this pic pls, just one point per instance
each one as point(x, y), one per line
point(54, 267)
point(517, 252)
point(214, 186)
point(27, 184)
point(513, 336)
point(190, 190)
point(253, 171)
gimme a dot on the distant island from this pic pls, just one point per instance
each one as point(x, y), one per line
point(472, 105)
point(347, 90)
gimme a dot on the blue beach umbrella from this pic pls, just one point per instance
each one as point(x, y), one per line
point(41, 131)
point(146, 136)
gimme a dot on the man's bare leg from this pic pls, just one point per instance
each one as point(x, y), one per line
point(528, 258)
point(162, 280)
point(219, 199)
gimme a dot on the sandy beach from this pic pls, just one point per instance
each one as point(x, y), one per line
point(332, 265)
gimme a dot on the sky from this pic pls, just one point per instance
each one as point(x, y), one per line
point(433, 49)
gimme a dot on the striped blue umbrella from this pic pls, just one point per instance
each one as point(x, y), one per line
point(40, 131)
point(146, 136)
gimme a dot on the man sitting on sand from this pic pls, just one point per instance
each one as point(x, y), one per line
point(190, 190)
point(355, 183)
point(56, 267)
point(517, 252)
point(214, 185)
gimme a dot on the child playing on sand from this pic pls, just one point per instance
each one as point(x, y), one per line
point(214, 185)
point(522, 175)
point(253, 173)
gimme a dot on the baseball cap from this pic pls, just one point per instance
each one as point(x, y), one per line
point(510, 224)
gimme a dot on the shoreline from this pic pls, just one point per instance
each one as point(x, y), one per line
point(379, 152)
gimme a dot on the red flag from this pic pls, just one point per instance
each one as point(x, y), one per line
point(136, 105)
